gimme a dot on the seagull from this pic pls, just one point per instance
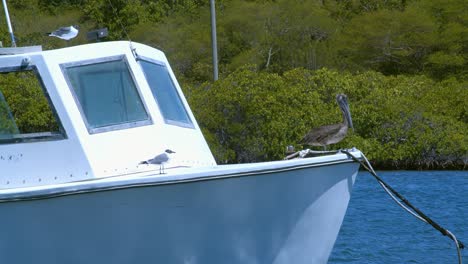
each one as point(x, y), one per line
point(159, 159)
point(331, 134)
point(65, 33)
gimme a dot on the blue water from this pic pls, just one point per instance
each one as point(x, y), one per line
point(376, 230)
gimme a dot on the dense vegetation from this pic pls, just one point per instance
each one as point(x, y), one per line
point(402, 63)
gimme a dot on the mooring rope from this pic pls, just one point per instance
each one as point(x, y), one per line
point(403, 201)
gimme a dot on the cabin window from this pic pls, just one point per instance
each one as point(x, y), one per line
point(26, 113)
point(107, 95)
point(165, 93)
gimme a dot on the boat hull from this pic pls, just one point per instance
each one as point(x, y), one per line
point(280, 216)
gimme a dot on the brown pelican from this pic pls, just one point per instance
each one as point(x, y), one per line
point(331, 134)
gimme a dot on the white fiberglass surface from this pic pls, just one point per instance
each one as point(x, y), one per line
point(180, 175)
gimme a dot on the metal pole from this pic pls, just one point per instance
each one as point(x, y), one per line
point(213, 40)
point(10, 29)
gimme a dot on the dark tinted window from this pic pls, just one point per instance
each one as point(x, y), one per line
point(165, 93)
point(106, 93)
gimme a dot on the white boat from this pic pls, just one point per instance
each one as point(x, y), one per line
point(72, 189)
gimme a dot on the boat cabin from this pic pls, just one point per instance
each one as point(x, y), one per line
point(92, 111)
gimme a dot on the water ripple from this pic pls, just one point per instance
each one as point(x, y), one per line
point(376, 230)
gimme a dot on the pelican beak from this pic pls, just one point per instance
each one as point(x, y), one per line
point(350, 122)
point(348, 116)
point(343, 103)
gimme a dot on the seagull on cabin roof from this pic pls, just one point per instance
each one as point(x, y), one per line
point(160, 160)
point(65, 33)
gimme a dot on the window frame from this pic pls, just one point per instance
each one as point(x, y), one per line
point(60, 134)
point(184, 105)
point(107, 128)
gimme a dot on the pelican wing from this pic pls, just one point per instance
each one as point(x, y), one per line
point(323, 135)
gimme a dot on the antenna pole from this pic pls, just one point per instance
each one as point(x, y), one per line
point(213, 40)
point(10, 29)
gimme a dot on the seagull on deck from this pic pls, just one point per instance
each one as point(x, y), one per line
point(65, 33)
point(160, 160)
point(331, 134)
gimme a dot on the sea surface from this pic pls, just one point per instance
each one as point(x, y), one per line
point(376, 230)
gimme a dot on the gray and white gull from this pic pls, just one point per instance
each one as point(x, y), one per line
point(65, 33)
point(160, 160)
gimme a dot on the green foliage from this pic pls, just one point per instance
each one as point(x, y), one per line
point(389, 36)
point(278, 35)
point(240, 112)
point(411, 119)
point(119, 16)
point(7, 122)
point(389, 41)
point(400, 122)
point(27, 103)
point(251, 116)
point(448, 57)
